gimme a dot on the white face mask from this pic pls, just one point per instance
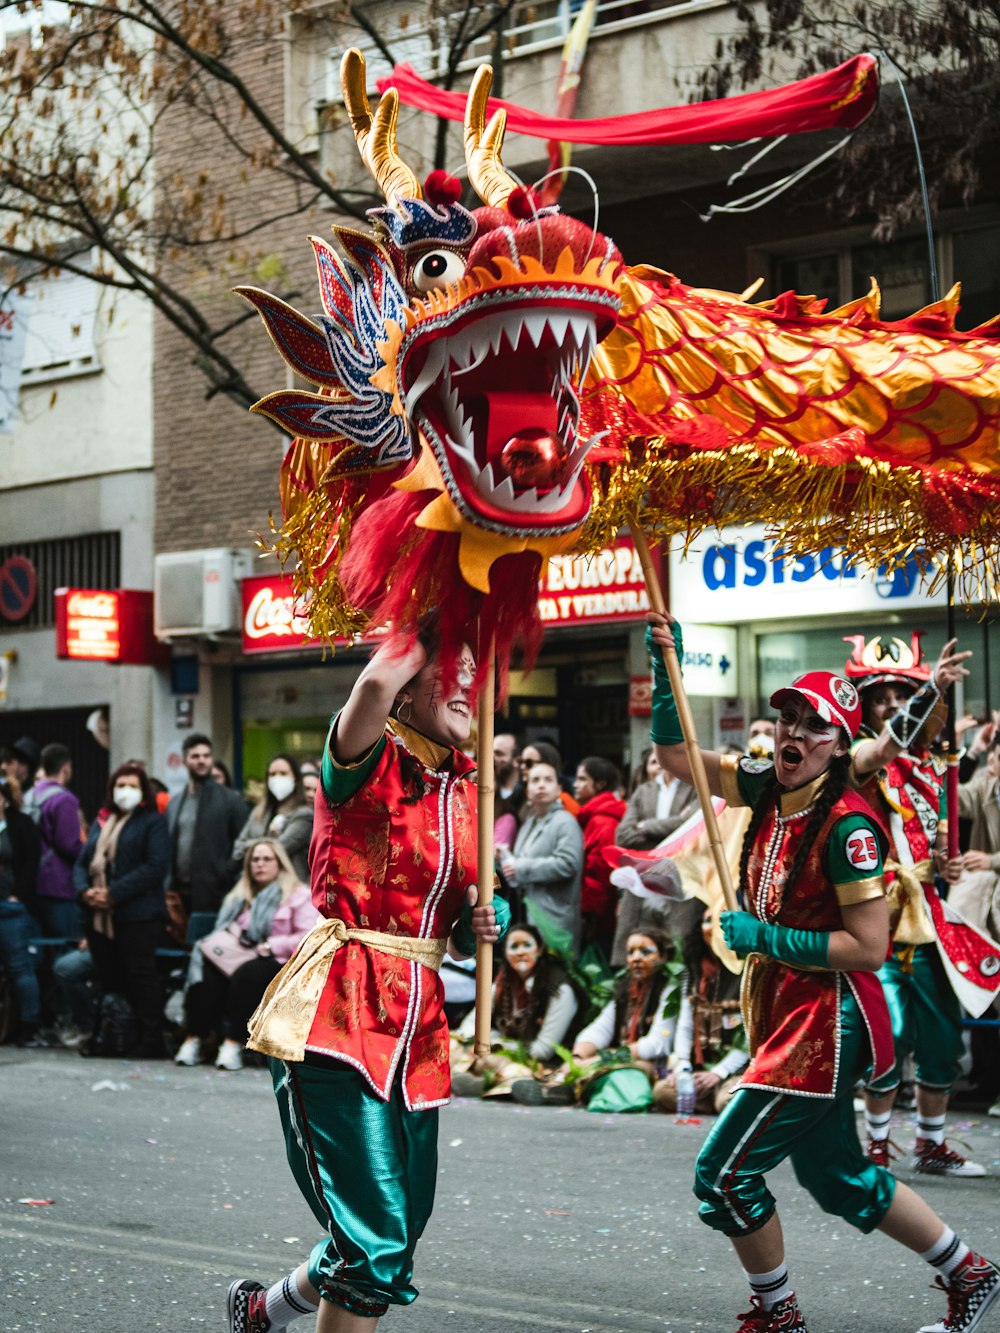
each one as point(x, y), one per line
point(127, 798)
point(280, 786)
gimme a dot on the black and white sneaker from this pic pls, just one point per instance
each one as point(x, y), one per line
point(972, 1289)
point(247, 1312)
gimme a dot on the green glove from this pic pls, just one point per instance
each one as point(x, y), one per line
point(464, 938)
point(665, 728)
point(744, 934)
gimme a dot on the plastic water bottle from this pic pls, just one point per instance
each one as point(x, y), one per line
point(685, 1093)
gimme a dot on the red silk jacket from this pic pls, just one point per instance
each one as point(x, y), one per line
point(401, 866)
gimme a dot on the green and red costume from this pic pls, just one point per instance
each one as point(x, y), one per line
point(813, 1030)
point(355, 1024)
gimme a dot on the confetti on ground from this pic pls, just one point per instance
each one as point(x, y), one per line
point(227, 1205)
point(455, 1143)
point(153, 1141)
point(291, 1240)
point(37, 1203)
point(554, 1212)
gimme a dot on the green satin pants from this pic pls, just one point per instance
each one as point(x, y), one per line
point(368, 1170)
point(926, 1019)
point(757, 1130)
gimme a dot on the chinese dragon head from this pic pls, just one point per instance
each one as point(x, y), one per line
point(438, 460)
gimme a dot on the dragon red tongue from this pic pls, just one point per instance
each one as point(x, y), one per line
point(521, 438)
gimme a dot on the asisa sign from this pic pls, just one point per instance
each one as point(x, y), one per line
point(745, 575)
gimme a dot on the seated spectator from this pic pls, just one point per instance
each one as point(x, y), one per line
point(533, 1001)
point(638, 1015)
point(74, 981)
point(19, 850)
point(546, 864)
point(268, 912)
point(282, 813)
point(601, 808)
point(655, 809)
point(709, 1025)
point(119, 878)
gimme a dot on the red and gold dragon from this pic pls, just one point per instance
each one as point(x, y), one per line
point(494, 386)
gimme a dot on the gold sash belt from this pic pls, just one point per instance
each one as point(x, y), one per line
point(281, 1022)
point(907, 913)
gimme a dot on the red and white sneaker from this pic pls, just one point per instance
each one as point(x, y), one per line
point(880, 1151)
point(785, 1317)
point(247, 1312)
point(971, 1290)
point(937, 1159)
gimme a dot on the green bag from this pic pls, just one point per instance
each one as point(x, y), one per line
point(622, 1091)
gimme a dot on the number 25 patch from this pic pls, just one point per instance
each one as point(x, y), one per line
point(862, 850)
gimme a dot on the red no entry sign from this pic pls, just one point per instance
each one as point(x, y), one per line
point(18, 587)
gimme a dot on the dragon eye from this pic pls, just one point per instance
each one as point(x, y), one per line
point(437, 269)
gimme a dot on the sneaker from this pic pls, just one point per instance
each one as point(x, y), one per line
point(785, 1317)
point(230, 1056)
point(71, 1037)
point(937, 1159)
point(880, 1151)
point(971, 1290)
point(189, 1052)
point(247, 1313)
point(994, 1110)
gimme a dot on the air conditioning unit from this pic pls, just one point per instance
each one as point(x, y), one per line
point(198, 592)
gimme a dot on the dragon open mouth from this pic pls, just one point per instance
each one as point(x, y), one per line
point(493, 387)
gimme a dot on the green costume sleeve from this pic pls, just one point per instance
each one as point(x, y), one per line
point(463, 937)
point(752, 777)
point(341, 781)
point(744, 934)
point(854, 860)
point(665, 728)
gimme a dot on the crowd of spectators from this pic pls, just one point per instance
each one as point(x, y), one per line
point(206, 895)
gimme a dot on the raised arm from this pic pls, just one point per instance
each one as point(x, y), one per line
point(363, 718)
point(900, 731)
point(665, 731)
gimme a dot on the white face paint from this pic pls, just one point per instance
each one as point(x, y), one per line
point(804, 744)
point(521, 951)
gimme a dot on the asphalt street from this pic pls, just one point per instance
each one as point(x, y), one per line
point(165, 1183)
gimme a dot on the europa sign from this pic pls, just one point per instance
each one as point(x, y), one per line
point(107, 625)
point(272, 619)
point(583, 590)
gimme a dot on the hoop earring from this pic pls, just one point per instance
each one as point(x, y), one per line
point(408, 705)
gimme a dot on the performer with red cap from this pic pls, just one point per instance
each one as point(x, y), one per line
point(814, 933)
point(902, 712)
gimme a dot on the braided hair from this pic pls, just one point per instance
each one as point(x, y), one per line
point(833, 789)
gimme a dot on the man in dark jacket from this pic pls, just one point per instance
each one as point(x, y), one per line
point(204, 820)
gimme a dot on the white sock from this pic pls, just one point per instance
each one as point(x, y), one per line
point(947, 1253)
point(931, 1127)
point(770, 1288)
point(878, 1123)
point(285, 1301)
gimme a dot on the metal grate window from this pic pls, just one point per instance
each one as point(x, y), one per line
point(90, 561)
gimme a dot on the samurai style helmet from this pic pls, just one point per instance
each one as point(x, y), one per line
point(886, 663)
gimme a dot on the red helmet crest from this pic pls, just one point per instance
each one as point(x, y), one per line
point(878, 662)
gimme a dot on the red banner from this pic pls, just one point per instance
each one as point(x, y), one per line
point(838, 98)
point(585, 590)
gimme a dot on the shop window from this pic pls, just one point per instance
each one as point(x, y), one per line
point(812, 275)
point(92, 561)
point(901, 270)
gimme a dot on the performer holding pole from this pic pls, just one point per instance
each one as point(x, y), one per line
point(814, 932)
point(354, 1023)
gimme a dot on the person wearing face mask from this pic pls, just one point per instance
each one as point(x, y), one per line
point(546, 864)
point(268, 911)
point(814, 931)
point(119, 878)
point(533, 1004)
point(283, 813)
point(355, 1023)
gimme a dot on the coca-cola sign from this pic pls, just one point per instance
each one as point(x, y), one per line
point(275, 619)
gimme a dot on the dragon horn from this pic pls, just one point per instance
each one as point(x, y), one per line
point(483, 143)
point(376, 135)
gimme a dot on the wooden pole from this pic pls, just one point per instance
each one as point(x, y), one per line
point(485, 870)
point(697, 764)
